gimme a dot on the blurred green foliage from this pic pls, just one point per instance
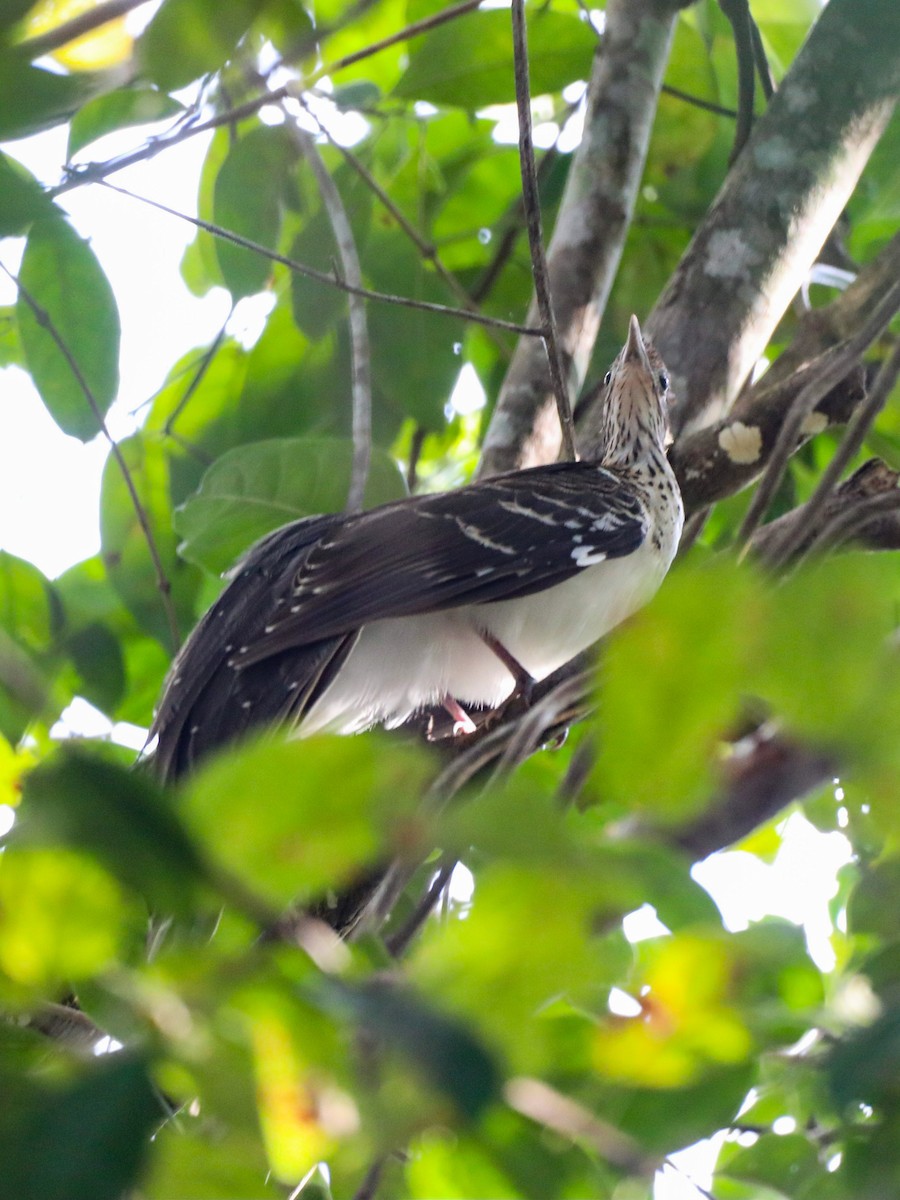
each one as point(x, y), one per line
point(252, 1061)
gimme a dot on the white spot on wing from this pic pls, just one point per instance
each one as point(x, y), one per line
point(588, 556)
point(606, 522)
point(742, 443)
point(476, 535)
point(523, 510)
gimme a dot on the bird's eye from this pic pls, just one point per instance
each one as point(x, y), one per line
point(606, 378)
point(663, 380)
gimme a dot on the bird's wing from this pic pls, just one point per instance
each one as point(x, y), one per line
point(291, 613)
point(206, 702)
point(507, 537)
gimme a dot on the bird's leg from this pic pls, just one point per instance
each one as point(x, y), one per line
point(462, 722)
point(524, 682)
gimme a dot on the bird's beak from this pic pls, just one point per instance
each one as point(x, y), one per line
point(634, 350)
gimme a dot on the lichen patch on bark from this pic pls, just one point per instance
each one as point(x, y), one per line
point(742, 443)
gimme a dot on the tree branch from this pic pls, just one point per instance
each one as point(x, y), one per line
point(587, 240)
point(761, 778)
point(723, 458)
point(857, 429)
point(720, 459)
point(779, 202)
point(834, 365)
point(360, 356)
point(880, 532)
point(820, 328)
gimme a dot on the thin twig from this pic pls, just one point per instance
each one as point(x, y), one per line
point(833, 366)
point(162, 581)
point(410, 31)
point(398, 943)
point(197, 377)
point(710, 106)
point(853, 438)
point(324, 276)
point(763, 70)
point(577, 773)
point(738, 14)
point(543, 1104)
point(94, 172)
point(417, 441)
point(368, 1189)
point(426, 249)
point(86, 22)
point(558, 374)
point(360, 354)
point(693, 527)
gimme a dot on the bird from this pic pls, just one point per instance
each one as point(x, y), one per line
point(455, 601)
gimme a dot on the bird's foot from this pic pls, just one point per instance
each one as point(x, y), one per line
point(462, 722)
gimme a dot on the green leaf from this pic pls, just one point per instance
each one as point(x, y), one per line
point(790, 1164)
point(357, 95)
point(63, 277)
point(469, 62)
point(22, 200)
point(189, 38)
point(668, 1120)
point(126, 551)
point(27, 619)
point(120, 109)
point(10, 345)
point(24, 688)
point(441, 1048)
point(301, 835)
point(200, 264)
point(62, 917)
point(699, 628)
point(242, 206)
point(97, 655)
point(119, 817)
point(287, 25)
point(83, 1140)
point(208, 1163)
point(32, 99)
point(455, 1168)
point(12, 11)
point(256, 488)
point(415, 358)
point(26, 603)
point(864, 1067)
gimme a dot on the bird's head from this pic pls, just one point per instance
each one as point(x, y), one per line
point(637, 393)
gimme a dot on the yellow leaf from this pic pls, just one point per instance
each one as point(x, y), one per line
point(13, 766)
point(684, 1023)
point(302, 1112)
point(106, 46)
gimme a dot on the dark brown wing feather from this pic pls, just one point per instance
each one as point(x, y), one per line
point(508, 537)
point(275, 638)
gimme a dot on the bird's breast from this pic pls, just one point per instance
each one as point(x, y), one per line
point(547, 629)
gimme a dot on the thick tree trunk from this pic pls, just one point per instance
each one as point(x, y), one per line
point(784, 194)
